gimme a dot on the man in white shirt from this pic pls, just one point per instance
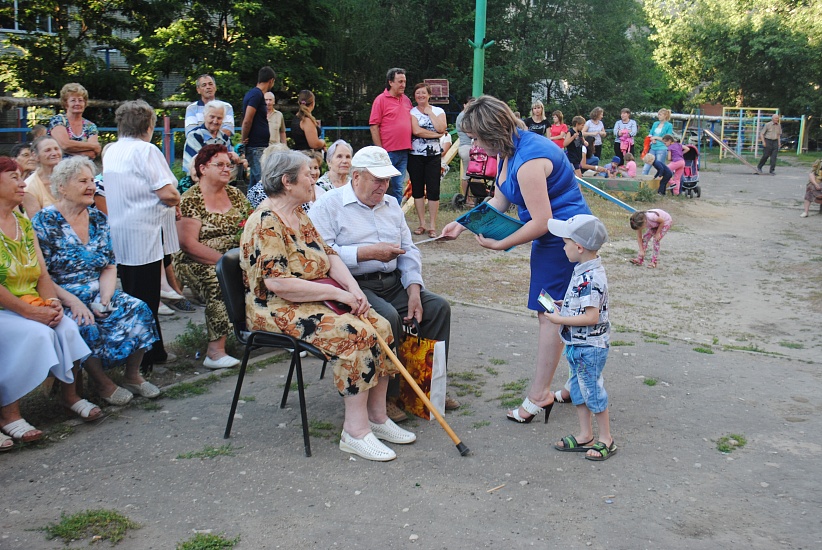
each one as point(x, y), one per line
point(207, 88)
point(367, 228)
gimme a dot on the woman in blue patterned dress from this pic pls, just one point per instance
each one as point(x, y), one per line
point(74, 237)
point(538, 178)
point(75, 134)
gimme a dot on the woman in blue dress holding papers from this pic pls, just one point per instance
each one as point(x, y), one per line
point(536, 177)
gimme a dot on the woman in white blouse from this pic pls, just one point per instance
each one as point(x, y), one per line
point(141, 194)
point(427, 125)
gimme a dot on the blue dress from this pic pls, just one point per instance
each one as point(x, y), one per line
point(76, 267)
point(550, 268)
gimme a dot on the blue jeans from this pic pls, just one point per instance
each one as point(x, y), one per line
point(400, 161)
point(253, 156)
point(586, 384)
point(661, 155)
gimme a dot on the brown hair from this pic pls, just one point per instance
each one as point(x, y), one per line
point(577, 120)
point(205, 154)
point(8, 164)
point(305, 98)
point(557, 114)
point(596, 112)
point(423, 85)
point(637, 220)
point(493, 122)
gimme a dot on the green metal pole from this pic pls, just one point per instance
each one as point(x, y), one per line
point(479, 45)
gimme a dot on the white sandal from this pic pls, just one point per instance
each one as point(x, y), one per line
point(558, 397)
point(531, 408)
point(83, 409)
point(369, 447)
point(18, 430)
point(3, 439)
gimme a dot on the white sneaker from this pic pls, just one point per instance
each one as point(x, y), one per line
point(224, 362)
point(392, 433)
point(803, 215)
point(369, 447)
point(164, 310)
point(170, 295)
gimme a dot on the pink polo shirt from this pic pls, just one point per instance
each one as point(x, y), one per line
point(393, 115)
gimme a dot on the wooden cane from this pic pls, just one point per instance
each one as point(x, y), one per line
point(461, 447)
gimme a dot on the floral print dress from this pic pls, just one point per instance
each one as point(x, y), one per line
point(220, 231)
point(268, 249)
point(76, 267)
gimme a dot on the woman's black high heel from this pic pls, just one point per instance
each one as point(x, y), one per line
point(531, 408)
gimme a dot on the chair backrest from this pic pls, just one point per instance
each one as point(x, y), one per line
point(230, 276)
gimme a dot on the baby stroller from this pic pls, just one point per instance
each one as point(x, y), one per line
point(689, 183)
point(481, 172)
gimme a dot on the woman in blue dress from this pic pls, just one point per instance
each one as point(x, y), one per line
point(76, 244)
point(536, 176)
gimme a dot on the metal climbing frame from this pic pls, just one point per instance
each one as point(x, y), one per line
point(741, 127)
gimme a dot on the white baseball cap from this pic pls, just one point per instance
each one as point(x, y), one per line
point(584, 229)
point(376, 161)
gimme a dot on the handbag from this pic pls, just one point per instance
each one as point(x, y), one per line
point(337, 307)
point(424, 359)
point(480, 164)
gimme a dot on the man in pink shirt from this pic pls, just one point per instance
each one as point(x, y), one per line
point(391, 126)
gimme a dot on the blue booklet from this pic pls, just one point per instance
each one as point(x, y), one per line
point(489, 222)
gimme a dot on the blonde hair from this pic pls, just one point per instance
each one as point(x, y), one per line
point(538, 103)
point(816, 168)
point(666, 113)
point(649, 158)
point(628, 157)
point(70, 89)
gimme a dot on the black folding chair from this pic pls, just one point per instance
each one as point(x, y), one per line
point(230, 276)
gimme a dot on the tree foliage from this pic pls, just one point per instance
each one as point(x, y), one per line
point(741, 52)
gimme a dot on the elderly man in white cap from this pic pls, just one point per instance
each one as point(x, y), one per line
point(367, 229)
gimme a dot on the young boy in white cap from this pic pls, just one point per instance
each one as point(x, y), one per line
point(585, 330)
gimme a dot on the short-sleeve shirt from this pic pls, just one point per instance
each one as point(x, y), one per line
point(427, 147)
point(676, 151)
point(555, 130)
point(536, 127)
point(659, 129)
point(39, 190)
point(258, 136)
point(392, 114)
point(89, 128)
point(597, 127)
point(588, 288)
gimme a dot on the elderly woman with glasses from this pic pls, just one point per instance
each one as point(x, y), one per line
point(213, 213)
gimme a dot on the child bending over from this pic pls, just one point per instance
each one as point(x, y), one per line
point(585, 330)
point(650, 224)
point(662, 172)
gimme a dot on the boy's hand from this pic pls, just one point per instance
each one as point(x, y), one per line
point(555, 318)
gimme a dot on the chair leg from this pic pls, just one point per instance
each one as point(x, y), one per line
point(303, 412)
point(322, 372)
point(237, 390)
point(295, 356)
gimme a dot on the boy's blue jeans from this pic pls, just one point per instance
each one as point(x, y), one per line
point(586, 383)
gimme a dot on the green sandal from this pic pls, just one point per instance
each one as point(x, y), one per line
point(571, 445)
point(605, 452)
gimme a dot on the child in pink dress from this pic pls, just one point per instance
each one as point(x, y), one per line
point(677, 164)
point(655, 223)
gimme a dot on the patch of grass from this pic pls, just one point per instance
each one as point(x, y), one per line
point(646, 194)
point(463, 389)
point(749, 347)
point(192, 340)
point(61, 431)
point(651, 335)
point(626, 250)
point(294, 386)
point(150, 406)
point(791, 345)
point(106, 524)
point(248, 398)
point(466, 411)
point(728, 443)
point(492, 371)
point(318, 428)
point(480, 424)
point(469, 375)
point(660, 342)
point(207, 541)
point(621, 343)
point(209, 452)
point(701, 349)
point(649, 382)
point(816, 259)
point(620, 328)
point(518, 385)
point(495, 361)
point(188, 389)
point(715, 340)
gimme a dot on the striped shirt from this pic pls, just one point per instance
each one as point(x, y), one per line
point(345, 224)
point(195, 116)
point(142, 228)
point(195, 140)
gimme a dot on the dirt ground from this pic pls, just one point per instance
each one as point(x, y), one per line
point(720, 340)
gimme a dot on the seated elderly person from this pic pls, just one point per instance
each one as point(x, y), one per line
point(212, 215)
point(283, 256)
point(36, 339)
point(367, 229)
point(209, 132)
point(76, 244)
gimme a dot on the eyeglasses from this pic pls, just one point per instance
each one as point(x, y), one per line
point(220, 165)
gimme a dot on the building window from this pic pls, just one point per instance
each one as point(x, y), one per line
point(16, 15)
